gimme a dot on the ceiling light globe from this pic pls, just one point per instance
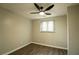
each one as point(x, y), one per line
point(41, 13)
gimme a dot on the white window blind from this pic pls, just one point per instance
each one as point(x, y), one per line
point(47, 26)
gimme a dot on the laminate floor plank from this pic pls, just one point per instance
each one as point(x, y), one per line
point(35, 49)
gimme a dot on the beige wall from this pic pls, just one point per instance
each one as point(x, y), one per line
point(15, 31)
point(58, 39)
point(73, 24)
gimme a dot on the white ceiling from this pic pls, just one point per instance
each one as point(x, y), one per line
point(24, 9)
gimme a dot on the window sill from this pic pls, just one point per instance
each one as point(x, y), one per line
point(46, 32)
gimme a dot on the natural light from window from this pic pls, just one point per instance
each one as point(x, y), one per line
point(47, 26)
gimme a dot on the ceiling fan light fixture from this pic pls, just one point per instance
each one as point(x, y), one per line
point(41, 10)
point(41, 13)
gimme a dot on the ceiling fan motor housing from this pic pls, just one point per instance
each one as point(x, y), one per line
point(41, 8)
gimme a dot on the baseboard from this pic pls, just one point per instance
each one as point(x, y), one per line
point(16, 49)
point(49, 45)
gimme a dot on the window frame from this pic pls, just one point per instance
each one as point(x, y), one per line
point(47, 26)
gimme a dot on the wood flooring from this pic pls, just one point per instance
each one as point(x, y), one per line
point(35, 49)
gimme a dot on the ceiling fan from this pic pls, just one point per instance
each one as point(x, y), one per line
point(41, 11)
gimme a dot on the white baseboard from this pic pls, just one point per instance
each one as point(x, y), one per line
point(16, 49)
point(49, 45)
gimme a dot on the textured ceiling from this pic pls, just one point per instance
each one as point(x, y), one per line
point(24, 9)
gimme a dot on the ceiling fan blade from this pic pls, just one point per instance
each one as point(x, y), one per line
point(48, 13)
point(37, 6)
point(49, 7)
point(34, 12)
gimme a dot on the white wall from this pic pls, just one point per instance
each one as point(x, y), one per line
point(73, 24)
point(58, 39)
point(15, 31)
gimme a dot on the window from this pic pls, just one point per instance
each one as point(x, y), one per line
point(47, 26)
